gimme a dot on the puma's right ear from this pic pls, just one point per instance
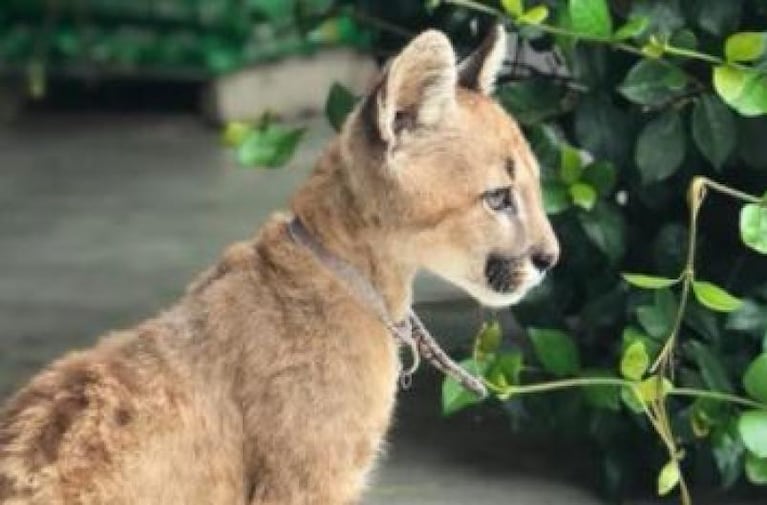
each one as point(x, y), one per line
point(480, 69)
point(417, 89)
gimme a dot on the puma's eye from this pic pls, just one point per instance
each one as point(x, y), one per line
point(500, 199)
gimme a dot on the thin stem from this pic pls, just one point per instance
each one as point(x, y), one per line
point(715, 395)
point(740, 195)
point(693, 55)
point(563, 384)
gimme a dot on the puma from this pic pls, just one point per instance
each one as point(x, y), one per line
point(271, 382)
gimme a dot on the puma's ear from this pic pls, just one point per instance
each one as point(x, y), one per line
point(479, 70)
point(418, 87)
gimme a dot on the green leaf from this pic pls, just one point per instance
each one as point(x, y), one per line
point(755, 379)
point(513, 7)
point(633, 28)
point(590, 17)
point(713, 129)
point(654, 388)
point(745, 90)
point(745, 46)
point(631, 400)
point(753, 227)
point(635, 361)
point(534, 16)
point(658, 318)
point(648, 281)
point(489, 337)
point(753, 430)
point(270, 146)
point(718, 17)
point(601, 176)
point(668, 478)
point(533, 101)
point(605, 228)
point(583, 195)
point(602, 396)
point(338, 104)
point(234, 133)
point(454, 396)
point(653, 82)
point(714, 297)
point(711, 368)
point(660, 147)
point(556, 351)
point(728, 450)
point(654, 48)
point(756, 469)
point(570, 166)
point(556, 197)
point(508, 365)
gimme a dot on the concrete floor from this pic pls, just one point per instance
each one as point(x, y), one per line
point(103, 219)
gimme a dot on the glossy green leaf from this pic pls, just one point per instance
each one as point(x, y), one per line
point(633, 28)
point(583, 195)
point(513, 7)
point(532, 100)
point(534, 16)
point(570, 165)
point(660, 147)
point(271, 146)
point(653, 82)
point(605, 227)
point(745, 46)
point(590, 17)
point(556, 351)
point(556, 197)
point(711, 367)
point(510, 365)
point(601, 176)
point(338, 104)
point(654, 388)
point(713, 128)
point(714, 297)
point(489, 338)
point(728, 450)
point(756, 469)
point(602, 396)
point(752, 427)
point(648, 281)
point(745, 90)
point(635, 361)
point(668, 478)
point(454, 396)
point(753, 227)
point(719, 17)
point(654, 48)
point(755, 379)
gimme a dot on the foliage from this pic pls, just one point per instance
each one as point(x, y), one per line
point(648, 103)
point(656, 94)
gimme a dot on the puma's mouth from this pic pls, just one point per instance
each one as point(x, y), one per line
point(504, 275)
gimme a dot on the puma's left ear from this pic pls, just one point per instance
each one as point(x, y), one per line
point(479, 70)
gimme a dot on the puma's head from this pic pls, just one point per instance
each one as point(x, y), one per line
point(435, 162)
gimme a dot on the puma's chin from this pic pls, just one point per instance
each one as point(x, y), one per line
point(493, 294)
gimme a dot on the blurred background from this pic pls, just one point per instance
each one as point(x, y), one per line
point(139, 137)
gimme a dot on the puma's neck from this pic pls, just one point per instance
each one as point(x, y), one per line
point(334, 213)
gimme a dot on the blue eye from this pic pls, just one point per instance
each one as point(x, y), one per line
point(500, 199)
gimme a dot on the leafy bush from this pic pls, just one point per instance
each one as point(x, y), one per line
point(645, 105)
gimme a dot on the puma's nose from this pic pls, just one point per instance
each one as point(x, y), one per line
point(544, 260)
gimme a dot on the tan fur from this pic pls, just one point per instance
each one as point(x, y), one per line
point(268, 382)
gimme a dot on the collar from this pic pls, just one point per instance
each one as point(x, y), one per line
point(410, 331)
